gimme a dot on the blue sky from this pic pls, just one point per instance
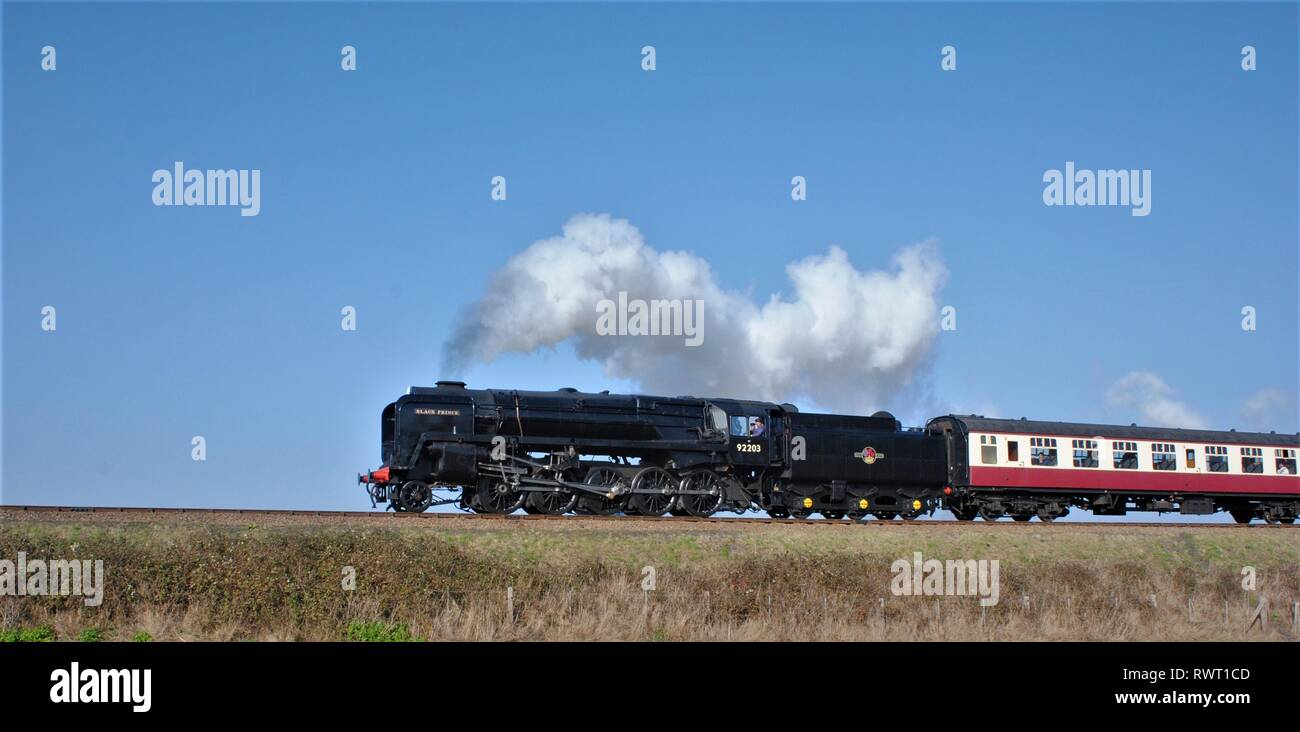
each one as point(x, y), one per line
point(175, 321)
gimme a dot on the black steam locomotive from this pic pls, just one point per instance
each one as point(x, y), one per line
point(496, 451)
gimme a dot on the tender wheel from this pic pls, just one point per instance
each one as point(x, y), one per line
point(608, 479)
point(700, 493)
point(651, 504)
point(498, 497)
point(415, 496)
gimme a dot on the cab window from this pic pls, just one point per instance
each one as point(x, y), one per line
point(739, 426)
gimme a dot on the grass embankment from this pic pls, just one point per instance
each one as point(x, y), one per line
point(584, 580)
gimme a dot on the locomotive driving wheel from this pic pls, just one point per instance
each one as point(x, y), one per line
point(610, 480)
point(496, 496)
point(657, 503)
point(701, 493)
point(551, 502)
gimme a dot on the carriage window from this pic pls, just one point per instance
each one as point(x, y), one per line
point(1164, 456)
point(1216, 458)
point(1013, 451)
point(1285, 461)
point(989, 449)
point(1124, 455)
point(1042, 451)
point(739, 426)
point(1191, 458)
point(1085, 453)
point(1252, 460)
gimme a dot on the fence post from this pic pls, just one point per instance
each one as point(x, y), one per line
point(510, 605)
point(1261, 614)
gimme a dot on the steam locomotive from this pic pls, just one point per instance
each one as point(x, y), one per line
point(556, 452)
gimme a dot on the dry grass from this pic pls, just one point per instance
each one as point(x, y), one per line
point(582, 581)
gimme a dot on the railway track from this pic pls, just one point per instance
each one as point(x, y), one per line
point(585, 517)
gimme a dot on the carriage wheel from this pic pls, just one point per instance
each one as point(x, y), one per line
point(652, 504)
point(498, 497)
point(989, 514)
point(702, 504)
point(886, 515)
point(833, 515)
point(962, 513)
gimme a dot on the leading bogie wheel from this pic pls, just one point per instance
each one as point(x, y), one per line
point(416, 496)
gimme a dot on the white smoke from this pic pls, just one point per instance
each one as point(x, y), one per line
point(845, 338)
point(1271, 409)
point(1153, 401)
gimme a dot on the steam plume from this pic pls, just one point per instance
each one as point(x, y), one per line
point(844, 338)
